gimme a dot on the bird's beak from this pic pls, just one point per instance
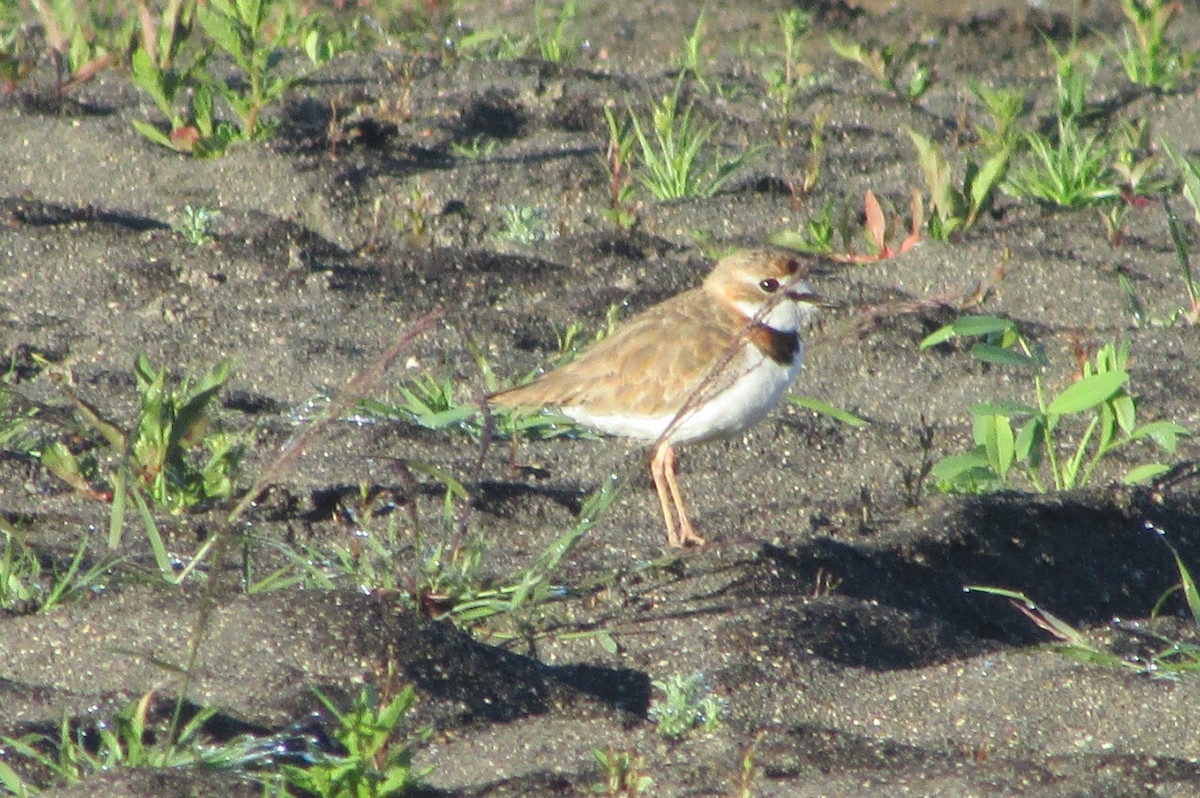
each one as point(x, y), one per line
point(810, 298)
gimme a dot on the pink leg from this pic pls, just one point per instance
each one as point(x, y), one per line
point(662, 469)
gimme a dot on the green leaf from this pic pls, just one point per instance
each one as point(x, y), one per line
point(968, 326)
point(836, 413)
point(998, 438)
point(1126, 412)
point(1024, 449)
point(1145, 473)
point(1165, 434)
point(988, 177)
point(1087, 393)
point(949, 468)
point(1002, 355)
point(983, 325)
point(153, 133)
point(223, 31)
point(149, 78)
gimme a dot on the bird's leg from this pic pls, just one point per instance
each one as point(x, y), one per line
point(664, 458)
point(658, 470)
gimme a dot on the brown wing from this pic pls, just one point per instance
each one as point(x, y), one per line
point(650, 365)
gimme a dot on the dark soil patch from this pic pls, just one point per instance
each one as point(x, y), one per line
point(828, 610)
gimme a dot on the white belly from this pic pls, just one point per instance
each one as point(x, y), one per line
point(762, 382)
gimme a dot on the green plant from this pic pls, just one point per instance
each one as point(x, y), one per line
point(817, 236)
point(687, 703)
point(430, 401)
point(17, 58)
point(1159, 656)
point(616, 160)
point(76, 51)
point(1074, 73)
point(479, 147)
point(530, 587)
point(889, 66)
point(242, 29)
point(378, 760)
point(622, 772)
point(157, 452)
point(158, 461)
point(955, 210)
point(826, 409)
point(1005, 107)
point(691, 60)
point(1148, 58)
point(784, 81)
point(27, 584)
point(524, 224)
point(1189, 171)
point(1099, 400)
point(670, 167)
point(1191, 313)
point(555, 46)
point(127, 741)
point(186, 102)
point(196, 225)
point(1070, 171)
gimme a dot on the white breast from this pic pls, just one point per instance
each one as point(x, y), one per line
point(759, 386)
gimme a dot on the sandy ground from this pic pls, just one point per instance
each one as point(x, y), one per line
point(827, 612)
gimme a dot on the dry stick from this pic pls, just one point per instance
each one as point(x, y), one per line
point(288, 454)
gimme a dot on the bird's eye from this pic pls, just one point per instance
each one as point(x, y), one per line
point(770, 285)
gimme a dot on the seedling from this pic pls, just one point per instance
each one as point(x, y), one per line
point(28, 585)
point(1074, 72)
point(817, 236)
point(1191, 313)
point(1070, 171)
point(890, 66)
point(1005, 107)
point(670, 160)
point(1148, 57)
point(556, 46)
point(617, 159)
point(623, 774)
point(1099, 399)
point(74, 48)
point(691, 60)
point(687, 704)
point(1162, 657)
point(241, 29)
point(196, 225)
point(479, 147)
point(524, 224)
point(377, 762)
point(784, 81)
point(956, 210)
point(187, 104)
point(127, 741)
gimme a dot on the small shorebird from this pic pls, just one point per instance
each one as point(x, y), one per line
point(705, 363)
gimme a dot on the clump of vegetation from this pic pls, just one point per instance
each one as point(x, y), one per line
point(1041, 446)
point(197, 225)
point(525, 224)
point(670, 146)
point(623, 774)
point(1148, 57)
point(899, 71)
point(955, 209)
point(377, 762)
point(687, 703)
point(1157, 655)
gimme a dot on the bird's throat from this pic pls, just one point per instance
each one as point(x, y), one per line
point(775, 344)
